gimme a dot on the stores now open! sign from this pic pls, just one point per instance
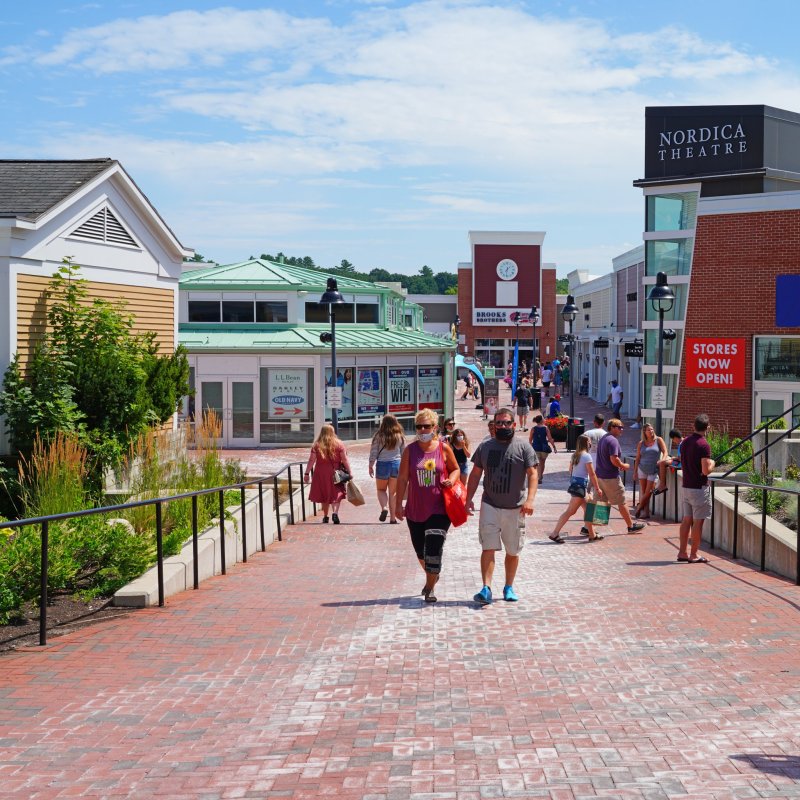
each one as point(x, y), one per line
point(715, 362)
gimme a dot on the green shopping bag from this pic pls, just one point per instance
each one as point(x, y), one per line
point(597, 512)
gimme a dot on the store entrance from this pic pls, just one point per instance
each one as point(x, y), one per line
point(233, 401)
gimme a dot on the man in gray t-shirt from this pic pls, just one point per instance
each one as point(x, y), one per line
point(510, 480)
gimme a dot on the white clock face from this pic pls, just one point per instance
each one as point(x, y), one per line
point(507, 269)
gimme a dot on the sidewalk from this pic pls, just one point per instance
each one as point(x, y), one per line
point(315, 670)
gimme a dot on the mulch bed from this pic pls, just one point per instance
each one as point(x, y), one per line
point(64, 615)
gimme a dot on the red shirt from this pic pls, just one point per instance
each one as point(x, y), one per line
point(694, 448)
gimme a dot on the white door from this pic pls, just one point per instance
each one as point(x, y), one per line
point(769, 405)
point(234, 402)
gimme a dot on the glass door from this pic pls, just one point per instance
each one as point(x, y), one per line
point(242, 425)
point(769, 405)
point(212, 399)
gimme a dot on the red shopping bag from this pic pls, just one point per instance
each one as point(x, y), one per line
point(455, 503)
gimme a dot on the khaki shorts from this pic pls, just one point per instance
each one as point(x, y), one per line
point(499, 527)
point(613, 490)
point(697, 503)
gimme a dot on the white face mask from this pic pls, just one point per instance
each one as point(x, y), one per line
point(425, 437)
point(459, 438)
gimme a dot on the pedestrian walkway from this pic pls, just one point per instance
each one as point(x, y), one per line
point(316, 670)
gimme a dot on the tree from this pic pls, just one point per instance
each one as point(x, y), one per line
point(562, 285)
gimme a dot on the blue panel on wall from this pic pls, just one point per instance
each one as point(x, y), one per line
point(787, 301)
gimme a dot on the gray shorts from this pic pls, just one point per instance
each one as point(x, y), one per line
point(697, 503)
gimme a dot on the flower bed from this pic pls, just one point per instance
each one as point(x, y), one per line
point(558, 428)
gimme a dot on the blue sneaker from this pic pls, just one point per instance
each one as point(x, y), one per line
point(484, 596)
point(509, 594)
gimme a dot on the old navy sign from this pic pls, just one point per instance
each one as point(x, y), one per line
point(715, 363)
point(686, 141)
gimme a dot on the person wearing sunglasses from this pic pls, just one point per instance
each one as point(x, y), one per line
point(510, 478)
point(609, 469)
point(426, 466)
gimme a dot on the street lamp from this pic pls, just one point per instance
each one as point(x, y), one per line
point(568, 314)
point(662, 298)
point(535, 321)
point(332, 298)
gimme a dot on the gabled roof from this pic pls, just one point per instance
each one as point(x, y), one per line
point(305, 339)
point(30, 188)
point(258, 274)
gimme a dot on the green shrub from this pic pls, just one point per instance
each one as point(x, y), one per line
point(720, 441)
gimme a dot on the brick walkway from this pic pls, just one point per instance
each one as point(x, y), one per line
point(315, 670)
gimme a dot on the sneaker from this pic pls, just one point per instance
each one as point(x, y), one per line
point(325, 520)
point(484, 596)
point(636, 527)
point(509, 594)
point(335, 518)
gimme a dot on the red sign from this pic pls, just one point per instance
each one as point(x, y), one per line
point(715, 363)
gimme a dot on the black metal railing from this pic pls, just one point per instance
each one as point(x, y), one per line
point(738, 486)
point(159, 502)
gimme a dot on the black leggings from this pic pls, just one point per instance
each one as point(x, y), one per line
point(417, 531)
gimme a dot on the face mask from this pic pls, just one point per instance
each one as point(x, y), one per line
point(459, 438)
point(504, 434)
point(425, 437)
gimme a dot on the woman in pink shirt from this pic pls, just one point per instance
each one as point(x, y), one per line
point(427, 465)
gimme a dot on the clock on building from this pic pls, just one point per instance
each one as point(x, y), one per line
point(507, 269)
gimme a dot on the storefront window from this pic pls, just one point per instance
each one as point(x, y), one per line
point(430, 389)
point(344, 379)
point(237, 311)
point(672, 212)
point(672, 349)
point(271, 311)
point(673, 256)
point(204, 311)
point(678, 310)
point(777, 358)
point(286, 404)
point(371, 392)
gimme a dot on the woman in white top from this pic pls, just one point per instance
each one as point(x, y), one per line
point(582, 478)
point(649, 452)
point(385, 452)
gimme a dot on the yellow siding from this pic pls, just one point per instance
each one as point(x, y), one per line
point(153, 310)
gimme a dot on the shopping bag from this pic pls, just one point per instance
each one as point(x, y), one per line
point(455, 503)
point(597, 512)
point(354, 494)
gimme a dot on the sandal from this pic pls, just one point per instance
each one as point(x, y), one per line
point(683, 559)
point(596, 537)
point(430, 598)
point(557, 538)
point(698, 560)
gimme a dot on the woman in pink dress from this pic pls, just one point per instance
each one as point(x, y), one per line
point(328, 454)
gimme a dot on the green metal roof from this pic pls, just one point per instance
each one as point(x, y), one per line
point(291, 339)
point(259, 274)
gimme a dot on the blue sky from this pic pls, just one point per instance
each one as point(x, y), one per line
point(382, 132)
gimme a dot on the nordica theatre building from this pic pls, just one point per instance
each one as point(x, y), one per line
point(722, 210)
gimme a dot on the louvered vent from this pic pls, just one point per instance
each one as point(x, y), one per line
point(104, 227)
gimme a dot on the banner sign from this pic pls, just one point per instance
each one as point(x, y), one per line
point(401, 390)
point(370, 399)
point(491, 396)
point(715, 362)
point(429, 388)
point(288, 394)
point(500, 316)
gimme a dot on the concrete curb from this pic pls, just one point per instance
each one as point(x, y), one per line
point(178, 569)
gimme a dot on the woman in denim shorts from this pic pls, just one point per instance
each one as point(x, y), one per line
point(384, 463)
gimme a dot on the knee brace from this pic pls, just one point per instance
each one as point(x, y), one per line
point(434, 543)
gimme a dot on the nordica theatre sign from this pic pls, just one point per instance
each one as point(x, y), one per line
point(687, 140)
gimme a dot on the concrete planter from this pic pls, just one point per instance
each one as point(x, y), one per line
point(179, 569)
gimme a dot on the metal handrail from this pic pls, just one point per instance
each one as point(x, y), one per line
point(738, 485)
point(763, 426)
point(158, 502)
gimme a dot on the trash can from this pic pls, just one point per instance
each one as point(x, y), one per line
point(575, 428)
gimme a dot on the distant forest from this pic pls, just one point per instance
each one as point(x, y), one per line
point(424, 282)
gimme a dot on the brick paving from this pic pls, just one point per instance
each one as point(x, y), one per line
point(315, 670)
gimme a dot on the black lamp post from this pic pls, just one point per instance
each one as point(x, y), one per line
point(568, 314)
point(332, 298)
point(662, 298)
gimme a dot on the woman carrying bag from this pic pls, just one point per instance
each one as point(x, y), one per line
point(328, 456)
point(385, 452)
point(427, 465)
point(582, 479)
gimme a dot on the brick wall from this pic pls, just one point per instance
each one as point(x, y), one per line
point(732, 293)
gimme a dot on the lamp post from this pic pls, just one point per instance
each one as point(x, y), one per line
point(332, 298)
point(568, 314)
point(534, 315)
point(662, 298)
